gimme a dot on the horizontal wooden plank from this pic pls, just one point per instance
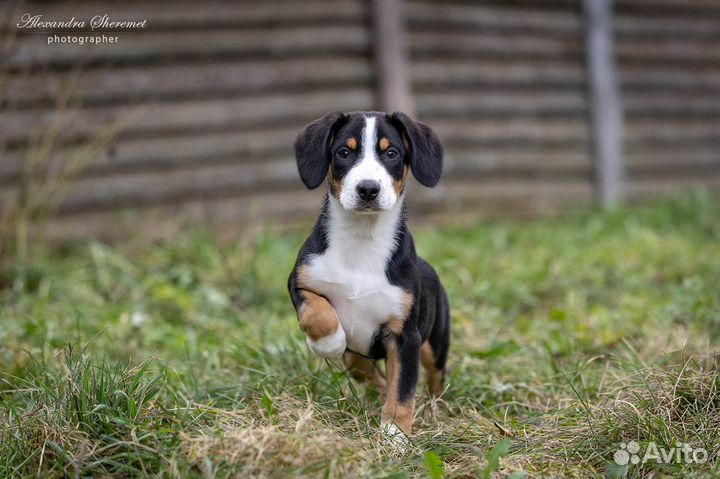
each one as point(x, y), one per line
point(558, 6)
point(245, 146)
point(692, 165)
point(224, 78)
point(663, 131)
point(476, 105)
point(189, 15)
point(502, 196)
point(647, 159)
point(668, 77)
point(659, 131)
point(521, 130)
point(638, 189)
point(474, 75)
point(701, 8)
point(480, 45)
point(516, 161)
point(490, 103)
point(444, 73)
point(148, 188)
point(498, 199)
point(491, 45)
point(166, 152)
point(141, 187)
point(508, 198)
point(628, 26)
point(423, 16)
point(667, 50)
point(152, 119)
point(164, 221)
point(101, 86)
point(146, 47)
point(640, 106)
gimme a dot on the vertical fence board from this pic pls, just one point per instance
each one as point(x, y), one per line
point(605, 105)
point(390, 56)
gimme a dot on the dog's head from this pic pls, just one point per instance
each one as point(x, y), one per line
point(366, 157)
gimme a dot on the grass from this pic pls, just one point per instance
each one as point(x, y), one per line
point(184, 359)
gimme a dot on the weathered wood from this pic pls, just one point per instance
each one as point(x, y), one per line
point(452, 203)
point(161, 221)
point(149, 47)
point(240, 145)
point(605, 104)
point(530, 74)
point(680, 51)
point(391, 56)
point(701, 8)
point(164, 152)
point(223, 88)
point(504, 196)
point(662, 28)
point(443, 73)
point(668, 158)
point(529, 46)
point(100, 86)
point(670, 78)
point(521, 130)
point(498, 102)
point(662, 131)
point(148, 118)
point(485, 17)
point(496, 45)
point(141, 186)
point(431, 78)
point(643, 189)
point(649, 106)
point(508, 198)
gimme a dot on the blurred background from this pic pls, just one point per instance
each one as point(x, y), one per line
point(193, 118)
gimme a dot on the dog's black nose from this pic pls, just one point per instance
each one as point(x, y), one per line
point(368, 189)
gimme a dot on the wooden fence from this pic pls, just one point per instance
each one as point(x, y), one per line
point(212, 94)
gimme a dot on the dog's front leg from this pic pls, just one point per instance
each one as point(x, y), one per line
point(320, 322)
point(401, 365)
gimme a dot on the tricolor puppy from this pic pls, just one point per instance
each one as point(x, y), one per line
point(359, 289)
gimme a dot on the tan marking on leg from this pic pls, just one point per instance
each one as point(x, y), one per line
point(395, 323)
point(393, 410)
point(365, 370)
point(351, 143)
point(433, 375)
point(316, 315)
point(384, 144)
point(399, 185)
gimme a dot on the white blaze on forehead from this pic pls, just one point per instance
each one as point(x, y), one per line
point(369, 138)
point(368, 168)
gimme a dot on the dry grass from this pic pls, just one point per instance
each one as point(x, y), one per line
point(570, 336)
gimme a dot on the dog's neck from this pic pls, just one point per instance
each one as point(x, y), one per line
point(364, 239)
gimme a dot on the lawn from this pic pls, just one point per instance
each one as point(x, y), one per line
point(181, 359)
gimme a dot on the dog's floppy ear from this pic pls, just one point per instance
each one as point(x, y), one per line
point(426, 151)
point(312, 148)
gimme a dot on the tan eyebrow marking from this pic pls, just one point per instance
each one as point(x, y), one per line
point(351, 143)
point(384, 144)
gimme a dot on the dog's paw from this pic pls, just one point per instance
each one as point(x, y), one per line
point(394, 438)
point(331, 346)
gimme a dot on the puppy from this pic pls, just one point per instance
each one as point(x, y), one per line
point(358, 287)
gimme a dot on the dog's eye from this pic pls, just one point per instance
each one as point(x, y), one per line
point(392, 153)
point(343, 153)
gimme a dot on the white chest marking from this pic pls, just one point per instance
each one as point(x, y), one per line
point(351, 272)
